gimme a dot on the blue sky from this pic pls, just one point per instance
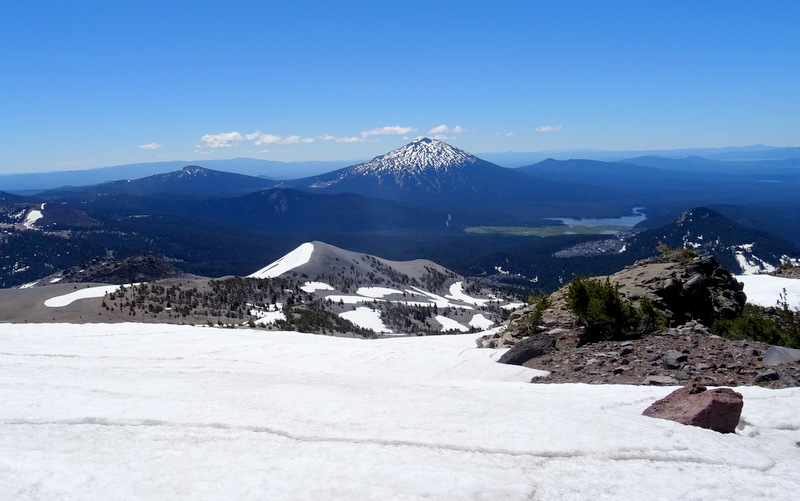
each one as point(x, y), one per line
point(89, 84)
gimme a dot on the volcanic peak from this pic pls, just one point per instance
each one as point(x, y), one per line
point(418, 156)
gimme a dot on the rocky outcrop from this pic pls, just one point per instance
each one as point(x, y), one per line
point(695, 290)
point(693, 405)
point(787, 272)
point(690, 295)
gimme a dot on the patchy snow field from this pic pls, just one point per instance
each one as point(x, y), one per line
point(142, 411)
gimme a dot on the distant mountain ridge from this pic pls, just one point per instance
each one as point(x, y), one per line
point(191, 181)
point(38, 181)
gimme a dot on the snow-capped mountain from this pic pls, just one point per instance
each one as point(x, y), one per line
point(425, 165)
point(430, 172)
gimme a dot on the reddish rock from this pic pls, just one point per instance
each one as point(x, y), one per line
point(717, 410)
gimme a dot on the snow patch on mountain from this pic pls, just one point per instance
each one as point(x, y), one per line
point(310, 287)
point(448, 324)
point(480, 322)
point(33, 216)
point(366, 318)
point(290, 261)
point(376, 292)
point(457, 293)
point(88, 293)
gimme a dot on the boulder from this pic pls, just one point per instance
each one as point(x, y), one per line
point(776, 355)
point(717, 410)
point(532, 347)
point(674, 359)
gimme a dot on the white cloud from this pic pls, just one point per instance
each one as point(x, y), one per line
point(222, 140)
point(260, 139)
point(442, 129)
point(150, 146)
point(327, 137)
point(388, 131)
point(548, 128)
point(511, 134)
point(442, 137)
point(353, 139)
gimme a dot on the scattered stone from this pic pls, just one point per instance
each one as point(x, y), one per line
point(693, 405)
point(652, 357)
point(674, 359)
point(750, 352)
point(766, 376)
point(660, 381)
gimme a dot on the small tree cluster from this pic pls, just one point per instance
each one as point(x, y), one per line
point(606, 315)
point(670, 254)
point(779, 325)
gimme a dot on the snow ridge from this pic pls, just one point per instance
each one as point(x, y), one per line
point(290, 261)
point(418, 156)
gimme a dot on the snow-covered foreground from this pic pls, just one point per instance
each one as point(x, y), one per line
point(163, 412)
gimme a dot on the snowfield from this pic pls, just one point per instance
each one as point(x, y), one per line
point(124, 411)
point(298, 257)
point(87, 293)
point(765, 290)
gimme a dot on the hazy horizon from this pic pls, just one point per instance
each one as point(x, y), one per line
point(102, 84)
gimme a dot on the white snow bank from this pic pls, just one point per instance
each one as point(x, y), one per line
point(310, 287)
point(146, 411)
point(753, 264)
point(480, 322)
point(366, 318)
point(512, 306)
point(457, 293)
point(88, 293)
point(32, 217)
point(439, 301)
point(448, 324)
point(351, 299)
point(269, 317)
point(290, 261)
point(765, 290)
point(376, 292)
